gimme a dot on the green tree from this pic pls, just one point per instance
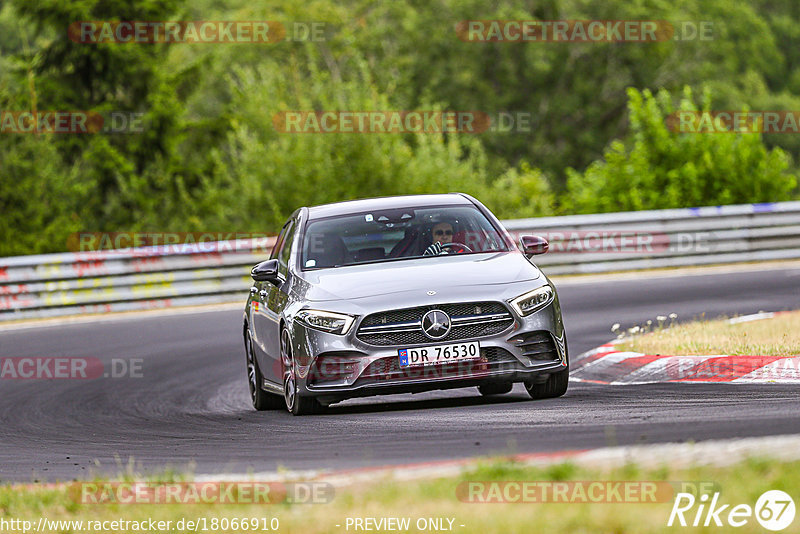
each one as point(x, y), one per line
point(264, 174)
point(658, 168)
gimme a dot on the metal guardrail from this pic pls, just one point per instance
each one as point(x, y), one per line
point(165, 276)
point(142, 278)
point(625, 241)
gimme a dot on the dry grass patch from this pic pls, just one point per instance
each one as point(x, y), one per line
point(776, 336)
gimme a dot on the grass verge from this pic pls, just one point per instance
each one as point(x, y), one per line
point(776, 336)
point(742, 483)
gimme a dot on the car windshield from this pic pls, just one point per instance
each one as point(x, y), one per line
point(400, 233)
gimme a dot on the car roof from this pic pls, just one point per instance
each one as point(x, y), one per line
point(368, 204)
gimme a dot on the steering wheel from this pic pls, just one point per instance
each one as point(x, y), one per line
point(458, 248)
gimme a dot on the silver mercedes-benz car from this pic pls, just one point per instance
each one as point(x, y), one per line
point(397, 295)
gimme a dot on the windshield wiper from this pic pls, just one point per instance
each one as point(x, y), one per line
point(416, 257)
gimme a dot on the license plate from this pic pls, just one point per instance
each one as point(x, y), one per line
point(454, 352)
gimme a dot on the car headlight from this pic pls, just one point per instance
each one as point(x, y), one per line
point(531, 301)
point(335, 323)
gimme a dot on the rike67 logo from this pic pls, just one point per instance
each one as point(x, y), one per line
point(774, 510)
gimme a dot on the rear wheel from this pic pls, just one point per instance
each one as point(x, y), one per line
point(555, 386)
point(295, 403)
point(261, 399)
point(495, 388)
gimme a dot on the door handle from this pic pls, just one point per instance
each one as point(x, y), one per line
point(263, 293)
point(253, 290)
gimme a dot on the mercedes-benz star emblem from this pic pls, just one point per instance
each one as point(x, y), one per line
point(436, 324)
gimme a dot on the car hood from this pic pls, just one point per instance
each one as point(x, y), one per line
point(430, 274)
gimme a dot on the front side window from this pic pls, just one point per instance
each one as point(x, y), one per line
point(286, 248)
point(401, 233)
point(278, 246)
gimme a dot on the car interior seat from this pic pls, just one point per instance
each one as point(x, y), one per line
point(327, 250)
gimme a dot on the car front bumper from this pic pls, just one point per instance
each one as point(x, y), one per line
point(334, 367)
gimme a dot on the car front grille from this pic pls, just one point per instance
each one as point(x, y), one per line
point(404, 327)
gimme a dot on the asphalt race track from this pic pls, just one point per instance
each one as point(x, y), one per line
point(191, 407)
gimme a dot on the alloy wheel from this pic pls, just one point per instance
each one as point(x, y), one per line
point(251, 367)
point(289, 378)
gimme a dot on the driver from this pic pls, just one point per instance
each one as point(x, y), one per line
point(442, 234)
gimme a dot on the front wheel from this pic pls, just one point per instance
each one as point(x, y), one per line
point(555, 386)
point(261, 399)
point(295, 403)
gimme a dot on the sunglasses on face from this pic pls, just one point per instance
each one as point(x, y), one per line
point(443, 232)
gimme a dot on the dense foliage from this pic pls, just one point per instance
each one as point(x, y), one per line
point(659, 169)
point(209, 157)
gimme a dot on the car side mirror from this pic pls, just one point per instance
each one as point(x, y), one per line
point(266, 271)
point(533, 245)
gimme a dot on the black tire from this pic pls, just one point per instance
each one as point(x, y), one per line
point(261, 399)
point(495, 388)
point(295, 403)
point(555, 386)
